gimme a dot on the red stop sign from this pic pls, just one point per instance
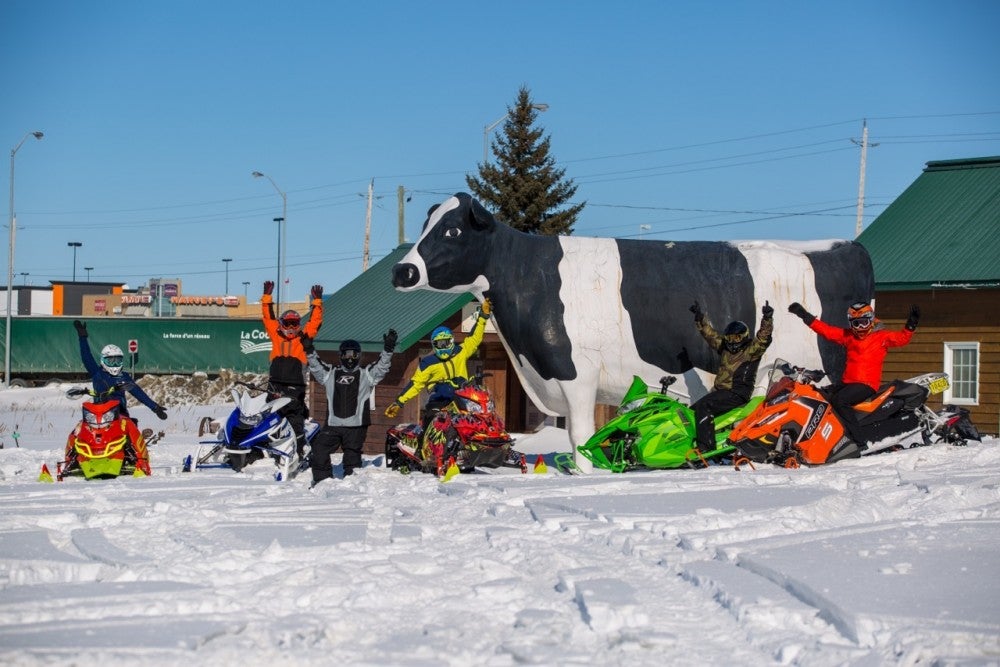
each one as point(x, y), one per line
point(133, 346)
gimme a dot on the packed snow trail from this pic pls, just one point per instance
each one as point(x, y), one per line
point(889, 559)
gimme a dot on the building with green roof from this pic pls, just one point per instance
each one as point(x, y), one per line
point(938, 245)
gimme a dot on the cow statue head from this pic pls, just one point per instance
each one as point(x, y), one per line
point(453, 231)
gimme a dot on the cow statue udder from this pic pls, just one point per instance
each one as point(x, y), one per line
point(579, 317)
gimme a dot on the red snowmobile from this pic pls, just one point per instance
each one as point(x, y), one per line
point(105, 444)
point(467, 432)
point(796, 423)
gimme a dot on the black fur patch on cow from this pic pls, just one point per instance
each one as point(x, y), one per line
point(844, 275)
point(523, 274)
point(525, 285)
point(660, 281)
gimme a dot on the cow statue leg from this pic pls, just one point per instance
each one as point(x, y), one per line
point(580, 400)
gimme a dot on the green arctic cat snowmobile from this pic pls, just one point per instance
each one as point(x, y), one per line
point(654, 430)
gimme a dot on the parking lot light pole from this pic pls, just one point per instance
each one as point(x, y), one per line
point(10, 257)
point(281, 232)
point(74, 245)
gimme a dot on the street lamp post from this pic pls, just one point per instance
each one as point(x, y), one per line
point(226, 261)
point(24, 277)
point(489, 128)
point(10, 256)
point(281, 231)
point(74, 245)
point(246, 286)
point(88, 269)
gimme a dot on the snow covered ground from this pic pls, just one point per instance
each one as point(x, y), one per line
point(893, 559)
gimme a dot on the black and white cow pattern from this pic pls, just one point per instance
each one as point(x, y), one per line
point(580, 316)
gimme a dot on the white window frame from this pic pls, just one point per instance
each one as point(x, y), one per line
point(949, 360)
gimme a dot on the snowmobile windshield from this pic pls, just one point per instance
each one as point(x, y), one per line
point(635, 396)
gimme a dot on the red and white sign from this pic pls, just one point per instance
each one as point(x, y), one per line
point(133, 345)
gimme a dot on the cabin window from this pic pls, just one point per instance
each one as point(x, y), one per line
point(961, 362)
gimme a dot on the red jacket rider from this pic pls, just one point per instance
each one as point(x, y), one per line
point(866, 347)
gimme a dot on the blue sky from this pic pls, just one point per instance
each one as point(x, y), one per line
point(676, 120)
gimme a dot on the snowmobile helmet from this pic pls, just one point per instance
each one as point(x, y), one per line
point(350, 354)
point(290, 323)
point(443, 342)
point(112, 359)
point(861, 317)
point(736, 336)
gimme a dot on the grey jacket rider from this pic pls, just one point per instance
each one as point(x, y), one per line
point(349, 393)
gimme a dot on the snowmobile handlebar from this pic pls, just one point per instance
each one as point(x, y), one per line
point(76, 392)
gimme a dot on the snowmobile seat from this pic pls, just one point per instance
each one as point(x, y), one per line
point(911, 395)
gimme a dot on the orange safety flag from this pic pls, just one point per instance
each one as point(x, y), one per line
point(45, 475)
point(451, 471)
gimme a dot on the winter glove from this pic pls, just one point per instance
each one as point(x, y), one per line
point(486, 309)
point(268, 286)
point(767, 311)
point(316, 292)
point(160, 412)
point(911, 321)
point(389, 341)
point(81, 328)
point(393, 409)
point(698, 315)
point(797, 310)
point(307, 344)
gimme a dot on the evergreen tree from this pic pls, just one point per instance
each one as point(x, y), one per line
point(524, 188)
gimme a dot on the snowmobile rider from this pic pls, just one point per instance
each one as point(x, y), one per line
point(287, 374)
point(866, 348)
point(109, 377)
point(739, 357)
point(444, 370)
point(350, 390)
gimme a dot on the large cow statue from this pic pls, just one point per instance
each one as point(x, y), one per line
point(580, 316)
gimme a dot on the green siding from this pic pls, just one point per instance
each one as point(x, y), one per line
point(166, 345)
point(943, 230)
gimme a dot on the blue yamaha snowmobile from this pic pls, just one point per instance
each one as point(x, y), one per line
point(256, 429)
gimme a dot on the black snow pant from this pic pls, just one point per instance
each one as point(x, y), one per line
point(706, 409)
point(843, 397)
point(351, 439)
point(295, 412)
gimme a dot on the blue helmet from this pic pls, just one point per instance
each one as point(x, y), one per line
point(443, 342)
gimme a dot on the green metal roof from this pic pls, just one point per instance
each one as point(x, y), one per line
point(369, 305)
point(943, 231)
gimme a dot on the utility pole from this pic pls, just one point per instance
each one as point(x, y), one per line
point(861, 180)
point(368, 225)
point(402, 226)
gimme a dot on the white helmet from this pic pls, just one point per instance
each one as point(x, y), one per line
point(112, 359)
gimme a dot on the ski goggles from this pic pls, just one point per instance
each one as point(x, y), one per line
point(113, 361)
point(350, 355)
point(862, 323)
point(735, 339)
point(443, 343)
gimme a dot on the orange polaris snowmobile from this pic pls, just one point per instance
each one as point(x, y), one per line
point(796, 424)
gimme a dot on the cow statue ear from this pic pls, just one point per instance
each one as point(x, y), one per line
point(431, 210)
point(479, 217)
